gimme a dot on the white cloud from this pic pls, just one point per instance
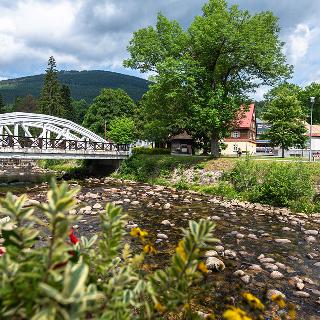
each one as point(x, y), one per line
point(299, 42)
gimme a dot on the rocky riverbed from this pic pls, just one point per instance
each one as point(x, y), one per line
point(262, 248)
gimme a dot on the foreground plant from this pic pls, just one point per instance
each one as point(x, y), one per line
point(47, 273)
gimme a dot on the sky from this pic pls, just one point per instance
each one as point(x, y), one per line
point(94, 34)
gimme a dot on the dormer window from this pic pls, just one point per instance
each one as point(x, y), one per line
point(235, 134)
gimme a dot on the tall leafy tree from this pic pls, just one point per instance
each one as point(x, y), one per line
point(110, 104)
point(122, 130)
point(79, 108)
point(313, 90)
point(203, 74)
point(287, 119)
point(2, 105)
point(50, 101)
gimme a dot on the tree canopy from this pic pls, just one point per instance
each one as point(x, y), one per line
point(203, 74)
point(122, 130)
point(287, 119)
point(110, 104)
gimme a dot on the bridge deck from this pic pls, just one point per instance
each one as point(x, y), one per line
point(16, 147)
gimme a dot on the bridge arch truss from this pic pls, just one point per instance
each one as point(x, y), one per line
point(29, 134)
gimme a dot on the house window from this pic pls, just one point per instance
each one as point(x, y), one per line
point(235, 134)
point(235, 147)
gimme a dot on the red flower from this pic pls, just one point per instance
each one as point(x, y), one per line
point(2, 251)
point(72, 237)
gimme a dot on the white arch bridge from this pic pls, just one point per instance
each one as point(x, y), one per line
point(39, 136)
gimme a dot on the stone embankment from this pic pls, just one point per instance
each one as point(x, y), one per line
point(262, 249)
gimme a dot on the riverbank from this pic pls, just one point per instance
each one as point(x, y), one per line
point(284, 184)
point(262, 248)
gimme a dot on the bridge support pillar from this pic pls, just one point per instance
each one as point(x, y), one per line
point(102, 167)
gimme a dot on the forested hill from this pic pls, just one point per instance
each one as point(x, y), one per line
point(83, 84)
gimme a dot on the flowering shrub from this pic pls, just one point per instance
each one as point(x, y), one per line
point(47, 273)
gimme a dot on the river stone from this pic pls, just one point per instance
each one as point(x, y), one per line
point(276, 275)
point(211, 253)
point(245, 279)
point(135, 202)
point(301, 294)
point(270, 266)
point(230, 253)
point(317, 264)
point(162, 236)
point(311, 232)
point(311, 239)
point(239, 273)
point(272, 292)
point(31, 202)
point(299, 285)
point(97, 206)
point(280, 265)
point(214, 263)
point(255, 267)
point(219, 248)
point(282, 241)
point(266, 260)
point(166, 206)
point(71, 212)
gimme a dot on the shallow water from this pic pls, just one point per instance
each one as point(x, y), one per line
point(224, 285)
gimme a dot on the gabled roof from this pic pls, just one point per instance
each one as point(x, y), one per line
point(315, 130)
point(245, 118)
point(182, 136)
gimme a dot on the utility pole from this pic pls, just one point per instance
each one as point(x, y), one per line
point(105, 130)
point(312, 99)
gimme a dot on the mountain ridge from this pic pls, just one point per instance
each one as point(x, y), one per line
point(85, 84)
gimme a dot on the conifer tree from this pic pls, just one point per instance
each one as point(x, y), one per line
point(2, 105)
point(67, 103)
point(50, 101)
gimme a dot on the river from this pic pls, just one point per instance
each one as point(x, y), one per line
point(272, 248)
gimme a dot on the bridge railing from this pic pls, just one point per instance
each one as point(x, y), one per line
point(22, 142)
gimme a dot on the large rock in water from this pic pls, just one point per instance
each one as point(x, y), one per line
point(214, 263)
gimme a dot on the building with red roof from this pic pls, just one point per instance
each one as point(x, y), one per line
point(243, 135)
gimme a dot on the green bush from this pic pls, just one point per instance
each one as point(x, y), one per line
point(223, 189)
point(148, 168)
point(150, 151)
point(286, 182)
point(281, 184)
point(244, 176)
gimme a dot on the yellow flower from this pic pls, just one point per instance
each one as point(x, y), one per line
point(253, 301)
point(159, 307)
point(291, 311)
point(137, 232)
point(143, 234)
point(278, 299)
point(180, 250)
point(235, 314)
point(149, 249)
point(202, 267)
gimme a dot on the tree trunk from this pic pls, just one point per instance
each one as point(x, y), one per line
point(282, 152)
point(215, 152)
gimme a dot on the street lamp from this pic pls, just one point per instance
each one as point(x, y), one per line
point(312, 99)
